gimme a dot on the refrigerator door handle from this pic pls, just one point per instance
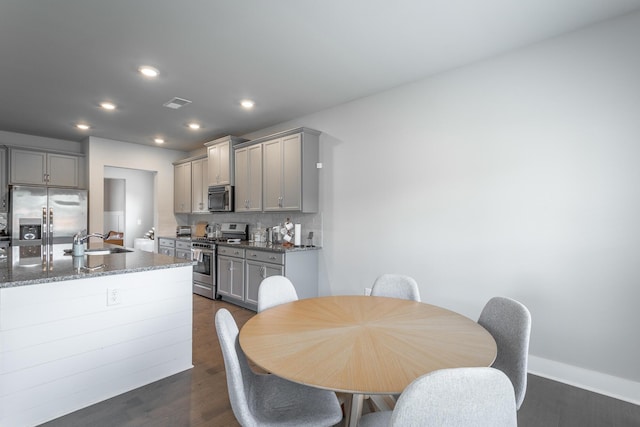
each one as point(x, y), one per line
point(45, 229)
point(50, 226)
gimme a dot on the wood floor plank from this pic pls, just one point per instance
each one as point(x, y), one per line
point(198, 397)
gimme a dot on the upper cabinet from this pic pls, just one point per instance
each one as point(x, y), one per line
point(182, 187)
point(282, 176)
point(4, 194)
point(41, 168)
point(199, 186)
point(248, 196)
point(290, 175)
point(219, 155)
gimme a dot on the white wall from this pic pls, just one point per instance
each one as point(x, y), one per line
point(517, 176)
point(106, 152)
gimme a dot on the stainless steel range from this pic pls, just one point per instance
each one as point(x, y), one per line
point(203, 252)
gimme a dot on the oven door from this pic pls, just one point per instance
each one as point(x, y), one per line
point(203, 270)
point(204, 274)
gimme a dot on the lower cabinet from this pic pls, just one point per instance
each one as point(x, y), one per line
point(183, 249)
point(257, 268)
point(167, 246)
point(231, 273)
point(240, 272)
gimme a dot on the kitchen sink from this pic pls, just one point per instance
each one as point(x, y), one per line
point(106, 251)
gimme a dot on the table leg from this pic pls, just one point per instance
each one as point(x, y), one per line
point(355, 409)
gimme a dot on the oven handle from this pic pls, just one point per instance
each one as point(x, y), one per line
point(204, 251)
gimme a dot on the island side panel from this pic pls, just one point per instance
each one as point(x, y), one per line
point(64, 347)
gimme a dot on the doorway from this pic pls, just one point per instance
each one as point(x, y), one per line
point(129, 193)
point(114, 205)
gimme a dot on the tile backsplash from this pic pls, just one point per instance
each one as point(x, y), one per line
point(3, 221)
point(308, 222)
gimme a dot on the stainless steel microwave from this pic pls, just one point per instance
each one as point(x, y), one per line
point(221, 198)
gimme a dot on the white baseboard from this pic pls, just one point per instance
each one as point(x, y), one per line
point(597, 382)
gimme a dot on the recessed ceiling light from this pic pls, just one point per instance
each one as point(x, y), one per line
point(149, 71)
point(82, 126)
point(158, 141)
point(194, 125)
point(108, 105)
point(247, 103)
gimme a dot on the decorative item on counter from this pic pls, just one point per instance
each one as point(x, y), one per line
point(287, 232)
point(310, 240)
point(276, 236)
point(259, 235)
point(211, 230)
point(201, 229)
point(151, 233)
point(297, 235)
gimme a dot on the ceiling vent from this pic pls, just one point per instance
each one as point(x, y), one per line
point(176, 103)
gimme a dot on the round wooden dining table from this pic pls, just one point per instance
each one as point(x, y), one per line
point(363, 344)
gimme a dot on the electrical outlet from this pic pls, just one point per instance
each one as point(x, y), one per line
point(114, 296)
point(367, 291)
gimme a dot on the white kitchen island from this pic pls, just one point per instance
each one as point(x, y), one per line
point(72, 335)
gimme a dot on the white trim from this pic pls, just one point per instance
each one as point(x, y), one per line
point(609, 385)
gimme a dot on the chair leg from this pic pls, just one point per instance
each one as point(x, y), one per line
point(355, 410)
point(382, 402)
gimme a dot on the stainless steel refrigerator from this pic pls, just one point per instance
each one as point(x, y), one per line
point(46, 215)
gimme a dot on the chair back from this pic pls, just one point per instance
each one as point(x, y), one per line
point(396, 286)
point(239, 374)
point(509, 322)
point(459, 397)
point(275, 290)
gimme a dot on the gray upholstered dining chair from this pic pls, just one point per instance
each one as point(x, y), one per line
point(265, 399)
point(509, 322)
point(396, 286)
point(275, 290)
point(459, 397)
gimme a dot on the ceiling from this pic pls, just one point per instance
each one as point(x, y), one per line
point(60, 58)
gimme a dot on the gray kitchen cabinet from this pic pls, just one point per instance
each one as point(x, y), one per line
point(182, 187)
point(231, 273)
point(220, 164)
point(43, 168)
point(248, 170)
point(167, 246)
point(183, 249)
point(199, 186)
point(301, 267)
point(258, 266)
point(290, 175)
point(4, 191)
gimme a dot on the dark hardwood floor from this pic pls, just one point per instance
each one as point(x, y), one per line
point(198, 397)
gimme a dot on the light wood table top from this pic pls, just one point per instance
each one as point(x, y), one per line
point(363, 344)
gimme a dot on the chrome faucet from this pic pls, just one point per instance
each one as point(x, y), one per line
point(78, 241)
point(81, 237)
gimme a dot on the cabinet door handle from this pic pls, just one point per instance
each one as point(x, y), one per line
point(254, 255)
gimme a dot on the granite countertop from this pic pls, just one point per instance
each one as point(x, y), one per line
point(272, 247)
point(30, 265)
point(247, 244)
